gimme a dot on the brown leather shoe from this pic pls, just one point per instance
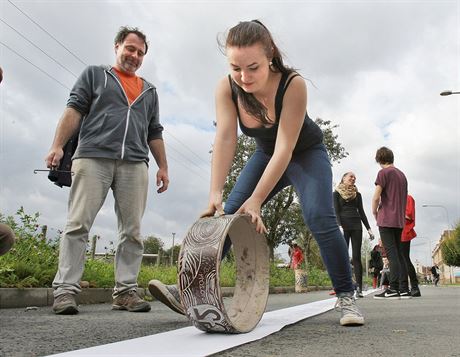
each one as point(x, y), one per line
point(65, 304)
point(130, 301)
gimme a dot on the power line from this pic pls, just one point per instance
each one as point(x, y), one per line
point(191, 170)
point(54, 38)
point(188, 148)
point(183, 162)
point(185, 157)
point(37, 47)
point(41, 70)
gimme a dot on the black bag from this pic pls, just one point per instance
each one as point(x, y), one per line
point(63, 175)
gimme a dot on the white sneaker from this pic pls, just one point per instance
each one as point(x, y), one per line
point(351, 316)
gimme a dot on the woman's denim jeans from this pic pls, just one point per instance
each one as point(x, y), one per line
point(310, 174)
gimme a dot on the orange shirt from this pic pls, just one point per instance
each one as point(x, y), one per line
point(131, 84)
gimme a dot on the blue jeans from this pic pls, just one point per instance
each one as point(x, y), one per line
point(310, 174)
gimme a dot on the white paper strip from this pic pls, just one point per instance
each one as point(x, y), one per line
point(190, 341)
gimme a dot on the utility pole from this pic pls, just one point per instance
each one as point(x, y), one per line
point(44, 230)
point(93, 246)
point(172, 249)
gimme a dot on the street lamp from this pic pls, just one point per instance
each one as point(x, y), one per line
point(445, 209)
point(448, 92)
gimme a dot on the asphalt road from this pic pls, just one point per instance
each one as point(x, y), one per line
point(426, 326)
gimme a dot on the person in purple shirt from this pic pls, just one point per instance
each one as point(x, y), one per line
point(388, 208)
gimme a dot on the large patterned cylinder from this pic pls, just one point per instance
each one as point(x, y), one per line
point(198, 280)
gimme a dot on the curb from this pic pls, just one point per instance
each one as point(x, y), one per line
point(35, 297)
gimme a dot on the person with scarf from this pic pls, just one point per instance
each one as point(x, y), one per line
point(348, 205)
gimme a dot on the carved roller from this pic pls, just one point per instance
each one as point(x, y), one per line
point(198, 280)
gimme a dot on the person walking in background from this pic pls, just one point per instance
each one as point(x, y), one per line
point(407, 235)
point(435, 274)
point(348, 204)
point(297, 256)
point(388, 208)
point(375, 266)
point(119, 119)
point(269, 102)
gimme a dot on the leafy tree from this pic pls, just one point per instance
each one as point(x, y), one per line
point(306, 241)
point(153, 245)
point(245, 147)
point(334, 148)
point(283, 221)
point(450, 248)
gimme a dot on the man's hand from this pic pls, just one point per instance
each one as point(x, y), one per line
point(68, 125)
point(162, 180)
point(54, 157)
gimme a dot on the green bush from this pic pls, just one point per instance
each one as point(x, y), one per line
point(32, 261)
point(99, 273)
point(166, 274)
point(318, 277)
point(281, 276)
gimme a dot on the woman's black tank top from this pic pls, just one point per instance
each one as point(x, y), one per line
point(265, 137)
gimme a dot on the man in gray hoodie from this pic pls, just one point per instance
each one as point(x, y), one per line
point(117, 117)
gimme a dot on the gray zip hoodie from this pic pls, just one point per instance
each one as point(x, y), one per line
point(112, 128)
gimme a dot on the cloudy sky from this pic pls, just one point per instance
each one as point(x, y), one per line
point(376, 70)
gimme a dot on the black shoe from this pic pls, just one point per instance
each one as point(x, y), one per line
point(405, 295)
point(388, 294)
point(359, 293)
point(415, 292)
